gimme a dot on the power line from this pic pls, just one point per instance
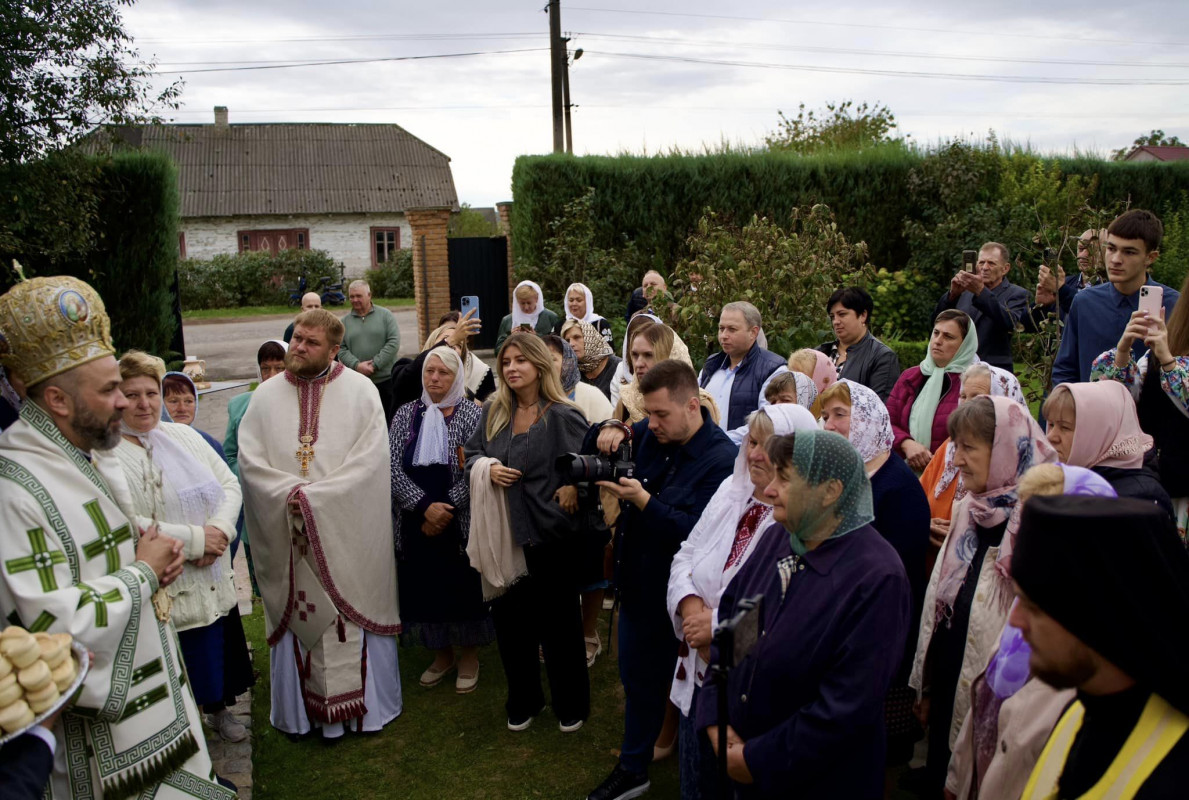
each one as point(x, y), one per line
point(354, 37)
point(903, 73)
point(347, 61)
point(892, 53)
point(998, 33)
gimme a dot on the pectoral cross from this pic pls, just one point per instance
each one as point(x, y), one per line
point(305, 454)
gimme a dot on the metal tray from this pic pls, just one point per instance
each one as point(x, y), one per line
point(83, 664)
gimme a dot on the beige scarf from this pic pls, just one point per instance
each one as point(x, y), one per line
point(492, 550)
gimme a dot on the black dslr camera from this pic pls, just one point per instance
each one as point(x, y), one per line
point(582, 470)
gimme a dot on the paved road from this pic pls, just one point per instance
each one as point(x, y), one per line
point(229, 349)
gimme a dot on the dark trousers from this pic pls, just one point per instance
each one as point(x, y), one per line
point(542, 608)
point(698, 764)
point(647, 656)
point(387, 399)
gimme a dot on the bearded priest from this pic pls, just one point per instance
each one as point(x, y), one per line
point(314, 464)
point(71, 561)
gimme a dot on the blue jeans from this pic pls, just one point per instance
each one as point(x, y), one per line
point(699, 768)
point(647, 657)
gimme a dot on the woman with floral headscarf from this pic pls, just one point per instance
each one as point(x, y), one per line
point(940, 478)
point(970, 592)
point(901, 516)
point(1012, 712)
point(596, 360)
point(805, 703)
point(441, 600)
point(579, 306)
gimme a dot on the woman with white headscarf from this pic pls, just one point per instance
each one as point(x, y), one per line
point(441, 599)
point(528, 313)
point(715, 549)
point(901, 516)
point(623, 371)
point(177, 481)
point(579, 305)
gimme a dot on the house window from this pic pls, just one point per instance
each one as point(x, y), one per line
point(385, 243)
point(273, 241)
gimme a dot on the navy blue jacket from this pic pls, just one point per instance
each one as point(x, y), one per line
point(25, 765)
point(755, 368)
point(681, 480)
point(808, 700)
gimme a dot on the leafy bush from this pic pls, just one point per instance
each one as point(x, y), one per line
point(250, 279)
point(393, 278)
point(910, 353)
point(784, 271)
point(1173, 264)
point(904, 303)
point(109, 221)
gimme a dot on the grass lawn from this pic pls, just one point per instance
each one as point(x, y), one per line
point(260, 311)
point(446, 746)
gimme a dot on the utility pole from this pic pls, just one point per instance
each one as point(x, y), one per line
point(565, 85)
point(557, 56)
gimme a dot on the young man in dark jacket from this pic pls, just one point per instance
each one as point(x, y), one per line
point(681, 458)
point(735, 375)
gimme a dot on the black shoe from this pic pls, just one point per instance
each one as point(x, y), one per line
point(621, 785)
point(522, 723)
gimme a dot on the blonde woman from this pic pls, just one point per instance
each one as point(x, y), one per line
point(651, 344)
point(526, 425)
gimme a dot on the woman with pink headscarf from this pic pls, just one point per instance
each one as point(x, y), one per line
point(1095, 425)
point(970, 591)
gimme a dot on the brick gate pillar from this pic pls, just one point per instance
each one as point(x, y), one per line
point(431, 267)
point(505, 214)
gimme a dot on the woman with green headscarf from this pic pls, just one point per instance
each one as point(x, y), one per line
point(805, 704)
point(925, 395)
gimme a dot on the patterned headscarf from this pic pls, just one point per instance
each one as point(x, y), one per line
point(1003, 384)
point(870, 425)
point(820, 456)
point(569, 369)
point(594, 346)
point(1107, 433)
point(1018, 445)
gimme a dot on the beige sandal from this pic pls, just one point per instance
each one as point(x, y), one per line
point(593, 647)
point(434, 675)
point(465, 684)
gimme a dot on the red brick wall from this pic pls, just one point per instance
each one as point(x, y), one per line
point(431, 266)
point(505, 212)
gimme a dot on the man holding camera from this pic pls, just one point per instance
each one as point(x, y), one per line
point(681, 457)
point(993, 302)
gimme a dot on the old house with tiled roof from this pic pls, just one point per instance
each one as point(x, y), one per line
point(343, 188)
point(1149, 152)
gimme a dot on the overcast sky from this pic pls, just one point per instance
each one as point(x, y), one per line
point(1131, 59)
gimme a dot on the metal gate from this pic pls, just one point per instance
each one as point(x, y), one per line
point(479, 266)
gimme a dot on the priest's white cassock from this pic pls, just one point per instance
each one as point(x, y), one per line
point(328, 576)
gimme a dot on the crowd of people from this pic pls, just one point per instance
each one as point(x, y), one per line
point(821, 567)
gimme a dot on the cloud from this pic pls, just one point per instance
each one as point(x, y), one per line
point(483, 111)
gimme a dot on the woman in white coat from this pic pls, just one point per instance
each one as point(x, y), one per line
point(715, 549)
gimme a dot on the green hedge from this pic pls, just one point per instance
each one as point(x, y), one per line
point(655, 201)
point(910, 353)
point(112, 222)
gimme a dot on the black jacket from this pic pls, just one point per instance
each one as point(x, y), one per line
point(995, 313)
point(25, 765)
point(681, 480)
point(869, 362)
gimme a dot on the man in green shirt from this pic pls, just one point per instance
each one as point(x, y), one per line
point(371, 343)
